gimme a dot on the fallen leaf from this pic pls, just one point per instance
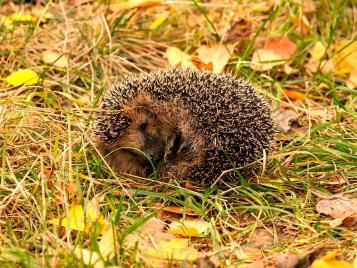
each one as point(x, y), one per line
point(329, 261)
point(176, 249)
point(272, 52)
point(281, 45)
point(189, 228)
point(339, 208)
point(301, 23)
point(22, 76)
point(352, 80)
point(80, 218)
point(286, 260)
point(89, 257)
point(261, 6)
point(177, 57)
point(41, 13)
point(294, 95)
point(151, 231)
point(240, 29)
point(116, 6)
point(55, 59)
point(107, 244)
point(345, 59)
point(261, 238)
point(284, 118)
point(19, 17)
point(200, 64)
point(218, 55)
point(317, 51)
point(264, 60)
point(181, 211)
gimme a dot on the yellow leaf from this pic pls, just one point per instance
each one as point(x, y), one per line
point(80, 219)
point(329, 261)
point(318, 51)
point(218, 55)
point(22, 76)
point(115, 6)
point(189, 228)
point(42, 13)
point(89, 258)
point(18, 17)
point(175, 249)
point(107, 244)
point(264, 60)
point(345, 59)
point(352, 82)
point(177, 57)
point(55, 59)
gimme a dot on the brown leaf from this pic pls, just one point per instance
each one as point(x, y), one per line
point(261, 238)
point(284, 118)
point(240, 29)
point(180, 210)
point(200, 64)
point(294, 95)
point(339, 207)
point(280, 45)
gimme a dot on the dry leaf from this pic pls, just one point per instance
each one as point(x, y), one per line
point(189, 228)
point(41, 13)
point(55, 59)
point(22, 76)
point(18, 17)
point(301, 23)
point(281, 45)
point(89, 257)
point(218, 55)
point(284, 118)
point(317, 51)
point(177, 57)
point(352, 80)
point(329, 261)
point(264, 60)
point(116, 6)
point(283, 260)
point(108, 245)
point(200, 64)
point(261, 238)
point(240, 29)
point(180, 210)
point(176, 249)
point(294, 95)
point(80, 218)
point(339, 208)
point(345, 59)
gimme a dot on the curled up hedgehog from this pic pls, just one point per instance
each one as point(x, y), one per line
point(184, 123)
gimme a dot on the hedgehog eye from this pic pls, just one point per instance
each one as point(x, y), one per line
point(143, 126)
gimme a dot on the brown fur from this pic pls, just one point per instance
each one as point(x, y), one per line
point(158, 130)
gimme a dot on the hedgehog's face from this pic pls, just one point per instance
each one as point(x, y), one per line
point(156, 138)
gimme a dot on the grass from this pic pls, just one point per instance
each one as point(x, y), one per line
point(48, 160)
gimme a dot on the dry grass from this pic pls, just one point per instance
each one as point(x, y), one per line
point(48, 160)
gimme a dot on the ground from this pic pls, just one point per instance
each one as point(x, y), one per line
point(62, 205)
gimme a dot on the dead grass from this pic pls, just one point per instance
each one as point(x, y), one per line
point(48, 160)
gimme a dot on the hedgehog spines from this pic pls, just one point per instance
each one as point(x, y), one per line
point(204, 118)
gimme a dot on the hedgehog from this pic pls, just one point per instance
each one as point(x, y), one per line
point(184, 124)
